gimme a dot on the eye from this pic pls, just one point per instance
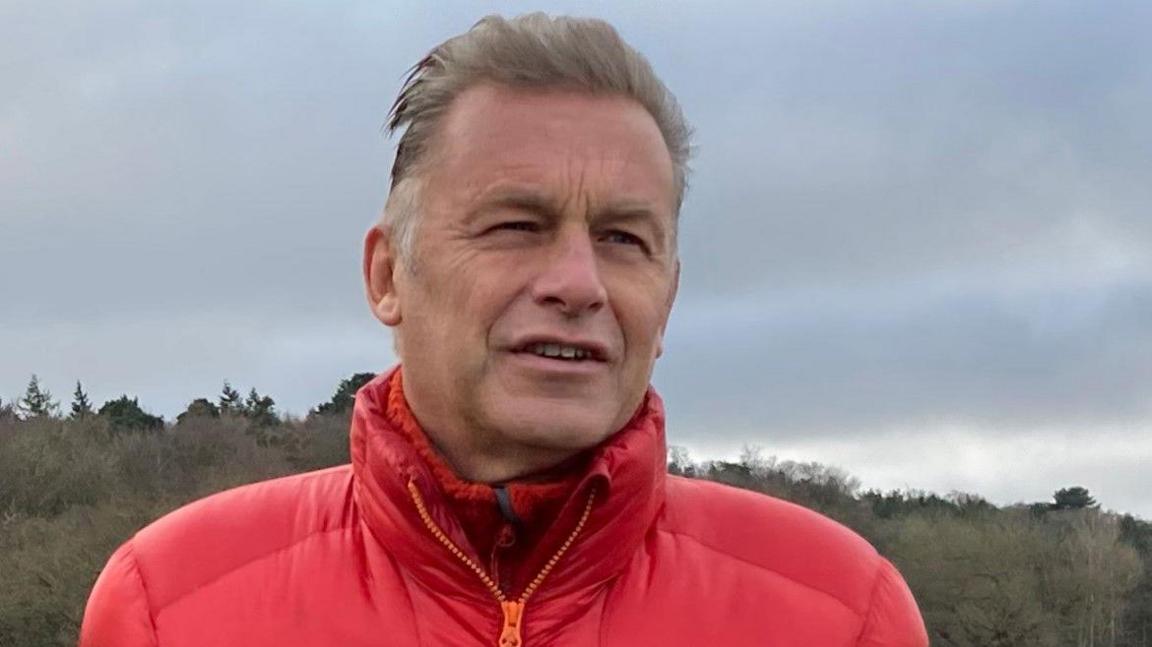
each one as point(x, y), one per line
point(619, 237)
point(516, 225)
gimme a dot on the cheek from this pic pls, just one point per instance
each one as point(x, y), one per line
point(481, 296)
point(484, 295)
point(642, 325)
point(641, 309)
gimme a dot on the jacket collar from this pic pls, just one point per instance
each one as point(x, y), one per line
point(625, 477)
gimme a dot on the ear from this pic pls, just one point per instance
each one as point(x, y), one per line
point(380, 276)
point(668, 308)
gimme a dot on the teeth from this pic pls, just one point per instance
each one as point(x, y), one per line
point(559, 351)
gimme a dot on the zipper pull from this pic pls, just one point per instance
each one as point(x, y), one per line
point(504, 540)
point(510, 634)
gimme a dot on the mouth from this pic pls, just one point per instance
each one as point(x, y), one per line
point(564, 351)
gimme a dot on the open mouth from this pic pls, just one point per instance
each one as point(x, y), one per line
point(563, 352)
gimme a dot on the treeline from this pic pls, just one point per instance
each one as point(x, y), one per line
point(76, 482)
point(1061, 573)
point(126, 414)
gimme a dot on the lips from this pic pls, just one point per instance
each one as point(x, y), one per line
point(561, 348)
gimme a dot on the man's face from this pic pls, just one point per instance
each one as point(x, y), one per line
point(547, 228)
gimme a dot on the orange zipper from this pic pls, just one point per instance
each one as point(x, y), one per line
point(513, 610)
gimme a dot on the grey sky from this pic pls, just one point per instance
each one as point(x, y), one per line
point(918, 242)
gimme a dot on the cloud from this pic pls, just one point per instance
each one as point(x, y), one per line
point(169, 361)
point(844, 362)
point(1025, 466)
point(904, 216)
point(883, 144)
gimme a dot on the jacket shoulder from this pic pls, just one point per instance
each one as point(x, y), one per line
point(794, 542)
point(117, 612)
point(209, 538)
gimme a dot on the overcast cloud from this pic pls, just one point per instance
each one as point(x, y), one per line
point(918, 242)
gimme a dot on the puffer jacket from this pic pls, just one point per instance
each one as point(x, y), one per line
point(369, 554)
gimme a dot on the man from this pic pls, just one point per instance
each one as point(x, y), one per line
point(508, 484)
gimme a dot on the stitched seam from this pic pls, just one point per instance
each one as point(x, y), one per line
point(871, 602)
point(131, 554)
point(210, 582)
point(763, 568)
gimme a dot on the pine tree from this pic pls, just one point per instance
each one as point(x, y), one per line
point(199, 408)
point(258, 408)
point(81, 406)
point(125, 414)
point(230, 401)
point(37, 402)
point(345, 395)
point(1073, 498)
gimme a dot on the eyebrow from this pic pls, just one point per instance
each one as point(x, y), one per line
point(632, 211)
point(520, 199)
point(531, 200)
point(514, 198)
point(628, 212)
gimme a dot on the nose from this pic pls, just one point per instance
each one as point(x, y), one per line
point(570, 280)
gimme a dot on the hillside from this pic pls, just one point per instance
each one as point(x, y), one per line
point(1062, 572)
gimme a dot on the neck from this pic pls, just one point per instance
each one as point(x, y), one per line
point(475, 457)
point(478, 453)
point(486, 462)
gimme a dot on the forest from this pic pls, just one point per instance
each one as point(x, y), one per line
point(77, 481)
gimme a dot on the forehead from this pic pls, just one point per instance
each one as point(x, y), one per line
point(606, 147)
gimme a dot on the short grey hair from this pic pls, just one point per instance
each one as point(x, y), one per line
point(530, 51)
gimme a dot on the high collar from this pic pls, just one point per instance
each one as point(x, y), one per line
point(506, 532)
point(625, 477)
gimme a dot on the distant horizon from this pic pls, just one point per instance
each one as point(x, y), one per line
point(698, 455)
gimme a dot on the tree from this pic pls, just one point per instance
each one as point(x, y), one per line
point(230, 402)
point(1088, 574)
point(752, 457)
point(259, 410)
point(345, 395)
point(1073, 498)
point(124, 413)
point(7, 411)
point(680, 461)
point(37, 402)
point(199, 408)
point(81, 407)
point(975, 579)
point(1138, 618)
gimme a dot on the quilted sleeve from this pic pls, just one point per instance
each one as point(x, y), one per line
point(893, 617)
point(118, 613)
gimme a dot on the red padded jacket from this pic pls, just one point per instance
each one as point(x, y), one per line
point(369, 554)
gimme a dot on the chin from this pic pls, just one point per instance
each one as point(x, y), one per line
point(564, 427)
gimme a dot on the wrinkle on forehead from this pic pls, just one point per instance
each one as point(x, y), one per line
point(493, 133)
